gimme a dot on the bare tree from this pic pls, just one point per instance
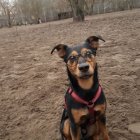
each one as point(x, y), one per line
point(29, 11)
point(77, 7)
point(8, 9)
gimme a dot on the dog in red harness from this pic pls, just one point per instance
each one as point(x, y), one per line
point(83, 117)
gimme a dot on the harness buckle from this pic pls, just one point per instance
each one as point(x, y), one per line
point(90, 104)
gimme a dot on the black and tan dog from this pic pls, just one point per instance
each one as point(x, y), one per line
point(85, 104)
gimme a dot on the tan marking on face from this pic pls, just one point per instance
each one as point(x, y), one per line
point(74, 53)
point(91, 61)
point(78, 114)
point(85, 83)
point(73, 66)
point(84, 50)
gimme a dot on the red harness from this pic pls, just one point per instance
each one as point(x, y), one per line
point(89, 104)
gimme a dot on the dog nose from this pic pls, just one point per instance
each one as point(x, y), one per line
point(83, 67)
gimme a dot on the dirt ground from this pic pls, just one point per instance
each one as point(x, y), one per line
point(33, 82)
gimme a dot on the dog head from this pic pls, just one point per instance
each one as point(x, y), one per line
point(81, 60)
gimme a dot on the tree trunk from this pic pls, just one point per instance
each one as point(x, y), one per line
point(9, 18)
point(92, 5)
point(77, 9)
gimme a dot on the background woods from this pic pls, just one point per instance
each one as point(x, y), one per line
point(8, 10)
point(20, 12)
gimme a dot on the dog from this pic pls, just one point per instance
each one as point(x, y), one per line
point(83, 116)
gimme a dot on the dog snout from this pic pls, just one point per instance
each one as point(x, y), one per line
point(83, 67)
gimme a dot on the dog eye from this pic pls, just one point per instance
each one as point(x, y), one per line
point(73, 58)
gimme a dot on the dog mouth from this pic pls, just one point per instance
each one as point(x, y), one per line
point(85, 76)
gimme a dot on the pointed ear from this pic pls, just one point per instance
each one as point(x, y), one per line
point(61, 50)
point(94, 41)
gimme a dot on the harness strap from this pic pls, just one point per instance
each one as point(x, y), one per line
point(98, 93)
point(90, 104)
point(76, 97)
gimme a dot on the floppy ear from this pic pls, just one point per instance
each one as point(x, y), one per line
point(61, 50)
point(94, 41)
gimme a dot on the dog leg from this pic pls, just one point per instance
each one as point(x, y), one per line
point(103, 130)
point(66, 130)
point(101, 120)
point(97, 132)
point(78, 136)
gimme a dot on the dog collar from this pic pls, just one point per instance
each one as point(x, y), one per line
point(90, 103)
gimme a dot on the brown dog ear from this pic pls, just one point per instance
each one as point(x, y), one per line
point(61, 49)
point(94, 41)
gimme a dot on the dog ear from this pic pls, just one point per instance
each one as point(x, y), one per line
point(94, 41)
point(61, 49)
